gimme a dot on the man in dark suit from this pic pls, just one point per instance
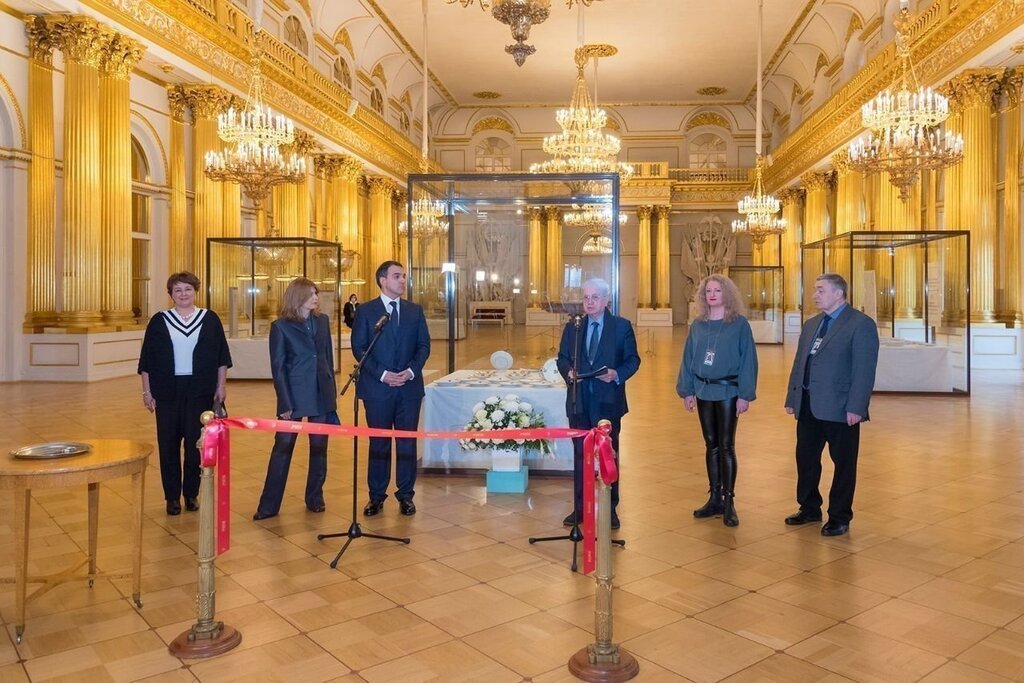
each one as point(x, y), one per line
point(391, 383)
point(589, 343)
point(829, 391)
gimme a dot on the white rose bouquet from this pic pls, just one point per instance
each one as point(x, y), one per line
point(507, 412)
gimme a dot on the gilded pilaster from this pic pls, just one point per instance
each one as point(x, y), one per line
point(816, 218)
point(535, 215)
point(643, 251)
point(332, 199)
point(791, 239)
point(849, 194)
point(118, 59)
point(41, 304)
point(662, 290)
point(304, 145)
point(179, 253)
point(351, 171)
point(81, 39)
point(1011, 280)
point(206, 102)
point(556, 269)
point(381, 241)
point(972, 93)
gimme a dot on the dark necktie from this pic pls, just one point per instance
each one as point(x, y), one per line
point(394, 314)
point(822, 331)
point(592, 345)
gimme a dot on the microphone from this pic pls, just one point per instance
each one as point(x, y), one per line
point(577, 319)
point(381, 322)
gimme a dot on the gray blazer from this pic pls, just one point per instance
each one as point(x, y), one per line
point(302, 366)
point(842, 371)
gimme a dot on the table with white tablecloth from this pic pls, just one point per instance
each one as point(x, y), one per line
point(448, 405)
point(913, 366)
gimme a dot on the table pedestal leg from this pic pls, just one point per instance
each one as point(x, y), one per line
point(138, 483)
point(94, 519)
point(22, 500)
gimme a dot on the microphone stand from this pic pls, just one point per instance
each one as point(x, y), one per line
point(574, 535)
point(354, 530)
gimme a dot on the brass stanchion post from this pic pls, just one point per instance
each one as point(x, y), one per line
point(206, 638)
point(603, 660)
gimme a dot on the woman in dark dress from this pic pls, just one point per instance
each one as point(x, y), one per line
point(349, 311)
point(718, 378)
point(302, 365)
point(184, 365)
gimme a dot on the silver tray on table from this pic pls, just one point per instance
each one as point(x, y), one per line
point(55, 449)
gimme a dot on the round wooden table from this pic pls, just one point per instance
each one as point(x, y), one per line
point(108, 459)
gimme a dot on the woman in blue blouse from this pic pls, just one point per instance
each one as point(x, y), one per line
point(718, 377)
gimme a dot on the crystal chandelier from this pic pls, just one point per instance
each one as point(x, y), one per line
point(254, 136)
point(520, 15)
point(428, 219)
point(591, 217)
point(583, 146)
point(904, 137)
point(759, 209)
point(597, 244)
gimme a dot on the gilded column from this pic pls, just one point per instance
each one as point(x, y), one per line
point(791, 239)
point(953, 295)
point(643, 258)
point(849, 194)
point(908, 263)
point(816, 219)
point(351, 171)
point(556, 268)
point(81, 39)
point(179, 256)
point(380, 249)
point(304, 145)
point(537, 287)
point(206, 102)
point(41, 306)
point(118, 59)
point(1011, 278)
point(973, 91)
point(328, 169)
point(663, 272)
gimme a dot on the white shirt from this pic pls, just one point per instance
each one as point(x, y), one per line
point(184, 337)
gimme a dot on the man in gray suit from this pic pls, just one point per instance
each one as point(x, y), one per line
point(829, 390)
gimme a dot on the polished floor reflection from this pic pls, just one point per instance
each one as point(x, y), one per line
point(925, 587)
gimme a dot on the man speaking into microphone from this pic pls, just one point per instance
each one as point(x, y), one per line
point(391, 384)
point(598, 352)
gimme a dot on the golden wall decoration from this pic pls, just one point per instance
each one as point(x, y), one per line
point(707, 118)
point(493, 123)
point(342, 38)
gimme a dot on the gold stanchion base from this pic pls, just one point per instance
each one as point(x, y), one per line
point(581, 667)
point(186, 647)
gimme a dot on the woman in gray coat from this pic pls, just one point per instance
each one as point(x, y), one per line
point(718, 378)
point(302, 365)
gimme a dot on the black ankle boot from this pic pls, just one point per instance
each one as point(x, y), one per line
point(714, 505)
point(729, 517)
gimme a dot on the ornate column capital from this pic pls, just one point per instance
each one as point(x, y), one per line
point(177, 102)
point(351, 168)
point(380, 186)
point(40, 40)
point(120, 55)
point(79, 37)
point(534, 213)
point(841, 162)
point(644, 212)
point(972, 87)
point(206, 101)
point(552, 212)
point(303, 144)
point(1011, 86)
point(328, 165)
point(662, 211)
point(791, 195)
point(818, 180)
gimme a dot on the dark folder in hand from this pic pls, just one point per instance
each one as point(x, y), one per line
point(593, 373)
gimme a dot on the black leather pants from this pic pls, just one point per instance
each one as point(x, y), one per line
point(718, 425)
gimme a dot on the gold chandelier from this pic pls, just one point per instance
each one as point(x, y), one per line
point(583, 146)
point(428, 219)
point(591, 217)
point(903, 121)
point(254, 136)
point(520, 15)
point(597, 244)
point(759, 208)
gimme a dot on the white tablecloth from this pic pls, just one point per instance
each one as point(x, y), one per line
point(913, 366)
point(448, 406)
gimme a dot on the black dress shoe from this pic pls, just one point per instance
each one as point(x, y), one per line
point(570, 519)
point(373, 508)
point(407, 507)
point(191, 504)
point(319, 507)
point(615, 521)
point(263, 515)
point(802, 518)
point(173, 507)
point(834, 528)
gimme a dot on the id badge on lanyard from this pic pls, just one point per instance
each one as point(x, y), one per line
point(817, 344)
point(709, 358)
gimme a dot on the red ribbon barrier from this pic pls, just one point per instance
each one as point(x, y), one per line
point(215, 451)
point(597, 445)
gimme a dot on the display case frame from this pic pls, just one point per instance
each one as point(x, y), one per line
point(763, 291)
point(914, 283)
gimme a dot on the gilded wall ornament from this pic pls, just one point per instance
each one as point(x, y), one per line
point(711, 91)
point(487, 95)
point(492, 123)
point(707, 118)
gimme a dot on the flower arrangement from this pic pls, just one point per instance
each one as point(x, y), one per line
point(507, 412)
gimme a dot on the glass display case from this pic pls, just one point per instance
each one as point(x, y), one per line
point(915, 285)
point(486, 255)
point(245, 278)
point(762, 289)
